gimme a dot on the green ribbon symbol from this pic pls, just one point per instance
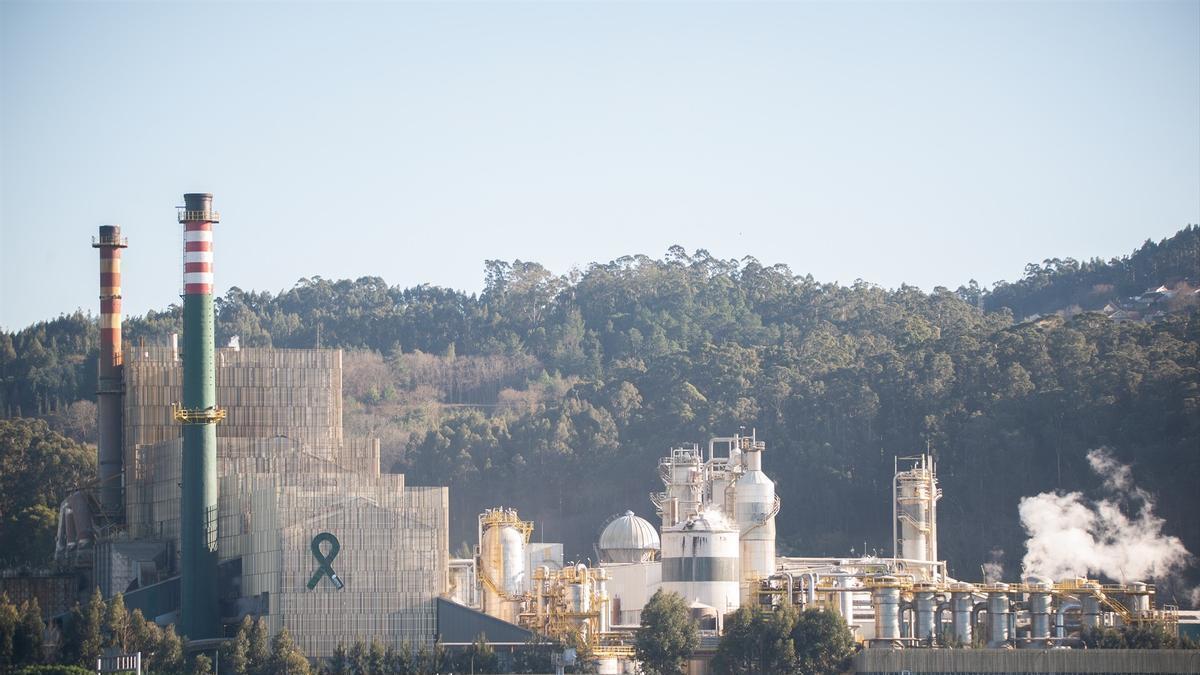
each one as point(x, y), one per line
point(325, 562)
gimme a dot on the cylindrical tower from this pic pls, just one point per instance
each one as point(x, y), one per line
point(503, 539)
point(962, 602)
point(109, 413)
point(926, 614)
point(1090, 605)
point(755, 507)
point(914, 509)
point(199, 414)
point(998, 607)
point(1138, 594)
point(1039, 610)
point(700, 561)
point(886, 598)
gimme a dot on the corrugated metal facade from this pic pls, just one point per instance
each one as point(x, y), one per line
point(1098, 661)
point(287, 474)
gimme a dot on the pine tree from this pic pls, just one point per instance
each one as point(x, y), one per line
point(27, 646)
point(359, 662)
point(116, 624)
point(339, 663)
point(168, 653)
point(143, 635)
point(259, 654)
point(201, 665)
point(377, 657)
point(238, 655)
point(9, 618)
point(91, 640)
point(286, 657)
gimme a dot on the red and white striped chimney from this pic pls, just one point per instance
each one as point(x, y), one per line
point(197, 247)
point(111, 387)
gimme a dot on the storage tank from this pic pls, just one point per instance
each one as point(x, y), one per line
point(755, 506)
point(924, 596)
point(628, 539)
point(503, 537)
point(962, 602)
point(998, 609)
point(1039, 610)
point(885, 596)
point(701, 559)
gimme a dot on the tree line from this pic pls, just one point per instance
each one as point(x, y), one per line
point(570, 387)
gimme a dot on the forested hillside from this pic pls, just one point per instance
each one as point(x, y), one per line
point(1059, 284)
point(557, 395)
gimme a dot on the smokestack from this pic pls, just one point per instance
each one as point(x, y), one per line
point(199, 415)
point(110, 385)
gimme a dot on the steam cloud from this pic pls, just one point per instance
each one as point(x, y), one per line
point(1118, 536)
point(993, 569)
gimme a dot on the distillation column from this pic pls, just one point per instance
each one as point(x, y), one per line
point(199, 414)
point(914, 510)
point(110, 387)
point(755, 506)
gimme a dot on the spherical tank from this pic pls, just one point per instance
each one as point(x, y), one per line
point(629, 539)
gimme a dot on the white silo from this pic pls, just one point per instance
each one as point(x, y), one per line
point(701, 561)
point(503, 537)
point(755, 506)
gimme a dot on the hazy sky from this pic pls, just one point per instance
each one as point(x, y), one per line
point(926, 144)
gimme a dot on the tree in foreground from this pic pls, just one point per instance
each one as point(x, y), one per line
point(27, 642)
point(757, 642)
point(784, 642)
point(286, 657)
point(823, 642)
point(668, 635)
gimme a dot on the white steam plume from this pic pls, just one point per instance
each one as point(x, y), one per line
point(993, 569)
point(1118, 536)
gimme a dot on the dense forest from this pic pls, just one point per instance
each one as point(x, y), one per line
point(558, 394)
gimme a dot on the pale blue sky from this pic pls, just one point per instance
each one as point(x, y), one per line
point(925, 144)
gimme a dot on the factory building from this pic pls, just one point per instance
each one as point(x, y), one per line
point(227, 487)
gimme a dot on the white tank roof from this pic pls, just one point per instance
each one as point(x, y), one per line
point(629, 532)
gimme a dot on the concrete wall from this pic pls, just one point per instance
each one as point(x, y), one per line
point(930, 661)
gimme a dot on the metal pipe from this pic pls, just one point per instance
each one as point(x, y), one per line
point(942, 607)
point(810, 592)
point(786, 577)
point(907, 622)
point(975, 611)
point(111, 388)
point(200, 618)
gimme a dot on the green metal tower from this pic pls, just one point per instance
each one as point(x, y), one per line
point(199, 415)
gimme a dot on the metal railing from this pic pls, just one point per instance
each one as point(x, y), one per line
point(192, 216)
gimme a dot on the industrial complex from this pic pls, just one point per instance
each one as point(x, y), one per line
point(227, 488)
